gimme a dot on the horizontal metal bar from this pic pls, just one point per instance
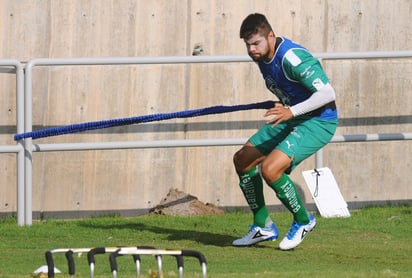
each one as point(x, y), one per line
point(10, 62)
point(11, 148)
point(142, 251)
point(364, 55)
point(74, 250)
point(200, 142)
point(137, 144)
point(372, 137)
point(203, 59)
point(136, 60)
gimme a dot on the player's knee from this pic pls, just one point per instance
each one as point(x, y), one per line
point(242, 160)
point(270, 172)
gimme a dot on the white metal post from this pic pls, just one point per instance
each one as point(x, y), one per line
point(20, 155)
point(28, 148)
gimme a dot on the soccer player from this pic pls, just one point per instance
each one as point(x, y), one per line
point(302, 122)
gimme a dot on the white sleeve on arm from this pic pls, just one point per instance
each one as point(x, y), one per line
point(322, 96)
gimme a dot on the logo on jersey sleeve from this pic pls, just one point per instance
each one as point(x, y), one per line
point(318, 84)
point(307, 73)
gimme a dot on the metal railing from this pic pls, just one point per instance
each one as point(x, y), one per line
point(28, 147)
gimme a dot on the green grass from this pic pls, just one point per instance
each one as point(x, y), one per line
point(373, 242)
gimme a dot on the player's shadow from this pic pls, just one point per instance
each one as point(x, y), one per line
point(205, 238)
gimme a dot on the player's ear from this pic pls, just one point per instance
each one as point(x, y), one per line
point(271, 37)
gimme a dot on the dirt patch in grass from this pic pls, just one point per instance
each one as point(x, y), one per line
point(179, 203)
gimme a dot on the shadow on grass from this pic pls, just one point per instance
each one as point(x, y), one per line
point(206, 238)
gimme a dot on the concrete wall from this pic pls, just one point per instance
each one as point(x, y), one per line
point(373, 96)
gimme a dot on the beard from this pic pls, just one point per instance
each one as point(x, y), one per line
point(259, 57)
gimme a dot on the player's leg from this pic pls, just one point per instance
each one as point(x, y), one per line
point(273, 170)
point(307, 137)
point(251, 184)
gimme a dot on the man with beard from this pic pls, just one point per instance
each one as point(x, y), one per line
point(303, 121)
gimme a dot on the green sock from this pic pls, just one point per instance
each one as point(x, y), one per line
point(252, 187)
point(286, 192)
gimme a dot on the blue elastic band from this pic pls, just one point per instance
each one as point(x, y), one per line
point(140, 119)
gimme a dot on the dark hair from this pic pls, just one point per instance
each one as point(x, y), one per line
point(253, 24)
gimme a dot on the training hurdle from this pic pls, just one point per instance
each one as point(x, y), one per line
point(134, 251)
